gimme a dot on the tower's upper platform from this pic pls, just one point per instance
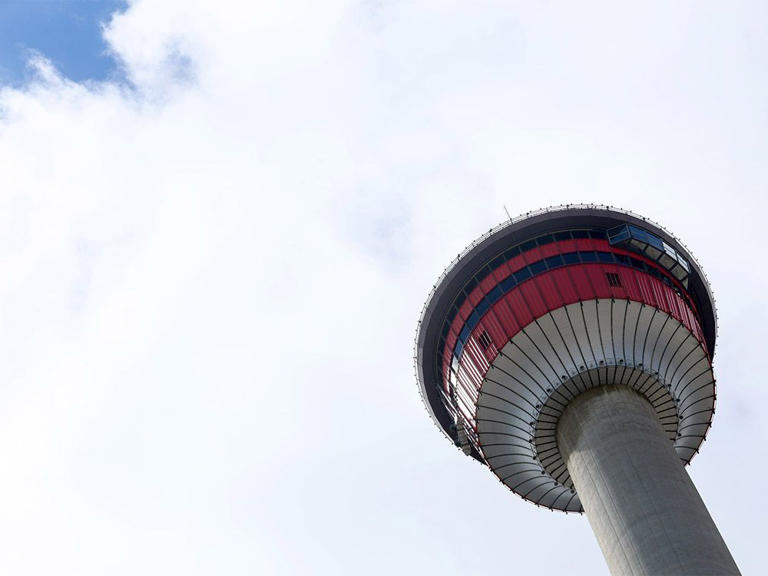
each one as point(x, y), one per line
point(552, 303)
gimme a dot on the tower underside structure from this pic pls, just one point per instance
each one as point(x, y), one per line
point(539, 322)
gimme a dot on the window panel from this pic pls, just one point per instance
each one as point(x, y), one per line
point(538, 267)
point(522, 275)
point(525, 246)
point(598, 235)
point(571, 258)
point(652, 252)
point(554, 261)
point(495, 294)
point(508, 283)
point(482, 306)
point(496, 262)
point(666, 261)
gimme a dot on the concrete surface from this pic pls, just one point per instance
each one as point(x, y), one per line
point(645, 511)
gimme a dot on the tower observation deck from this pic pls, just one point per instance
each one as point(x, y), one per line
point(570, 351)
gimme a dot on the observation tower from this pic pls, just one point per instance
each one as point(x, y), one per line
point(570, 351)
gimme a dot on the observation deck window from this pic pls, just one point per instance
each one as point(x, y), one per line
point(523, 274)
point(651, 246)
point(571, 258)
point(554, 261)
point(538, 267)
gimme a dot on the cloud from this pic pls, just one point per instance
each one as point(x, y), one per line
point(213, 270)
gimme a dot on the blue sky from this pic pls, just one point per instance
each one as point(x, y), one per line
point(67, 32)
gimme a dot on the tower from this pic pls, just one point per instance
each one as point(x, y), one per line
point(570, 351)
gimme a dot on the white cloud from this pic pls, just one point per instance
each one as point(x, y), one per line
point(212, 273)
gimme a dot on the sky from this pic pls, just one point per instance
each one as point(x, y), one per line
point(68, 32)
point(219, 222)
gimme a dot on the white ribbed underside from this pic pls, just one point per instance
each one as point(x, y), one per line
point(571, 349)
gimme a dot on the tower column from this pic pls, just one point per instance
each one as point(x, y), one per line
point(645, 511)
